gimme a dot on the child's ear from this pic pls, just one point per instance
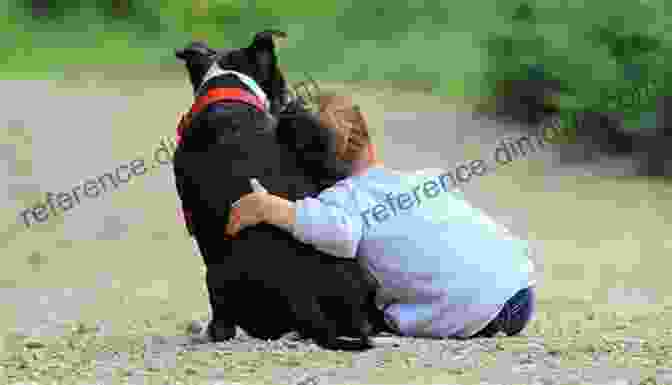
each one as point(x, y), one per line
point(361, 122)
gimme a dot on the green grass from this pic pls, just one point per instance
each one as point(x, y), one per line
point(597, 233)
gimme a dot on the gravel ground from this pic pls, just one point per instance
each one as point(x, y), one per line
point(522, 360)
point(46, 314)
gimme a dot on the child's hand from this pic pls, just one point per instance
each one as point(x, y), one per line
point(247, 211)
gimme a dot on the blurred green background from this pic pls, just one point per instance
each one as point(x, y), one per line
point(584, 51)
point(334, 40)
point(589, 46)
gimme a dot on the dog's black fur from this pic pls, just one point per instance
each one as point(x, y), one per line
point(265, 281)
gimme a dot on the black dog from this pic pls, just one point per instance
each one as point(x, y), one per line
point(264, 281)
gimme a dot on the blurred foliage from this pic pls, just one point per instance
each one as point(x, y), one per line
point(598, 52)
point(592, 48)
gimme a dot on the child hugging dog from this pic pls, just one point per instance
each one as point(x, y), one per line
point(445, 269)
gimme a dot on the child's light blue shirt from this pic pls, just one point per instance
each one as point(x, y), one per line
point(445, 268)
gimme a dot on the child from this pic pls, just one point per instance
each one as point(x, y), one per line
point(445, 269)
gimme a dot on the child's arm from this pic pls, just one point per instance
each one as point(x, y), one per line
point(278, 211)
point(254, 211)
point(330, 222)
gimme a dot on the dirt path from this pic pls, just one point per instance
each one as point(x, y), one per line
point(98, 262)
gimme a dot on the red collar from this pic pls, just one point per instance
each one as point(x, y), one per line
point(215, 95)
point(231, 94)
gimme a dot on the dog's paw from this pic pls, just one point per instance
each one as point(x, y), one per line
point(197, 331)
point(219, 333)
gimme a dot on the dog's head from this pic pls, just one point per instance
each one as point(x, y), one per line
point(258, 61)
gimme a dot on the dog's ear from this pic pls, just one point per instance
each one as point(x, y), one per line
point(262, 52)
point(193, 49)
point(273, 36)
point(198, 57)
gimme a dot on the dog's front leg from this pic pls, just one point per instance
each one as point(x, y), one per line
point(221, 292)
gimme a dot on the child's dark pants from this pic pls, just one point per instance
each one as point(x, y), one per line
point(513, 317)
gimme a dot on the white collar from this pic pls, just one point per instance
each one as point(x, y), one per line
point(216, 70)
